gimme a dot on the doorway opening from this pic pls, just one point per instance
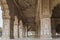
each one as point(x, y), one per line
point(1, 22)
point(55, 22)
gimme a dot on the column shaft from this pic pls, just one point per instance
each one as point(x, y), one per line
point(45, 28)
point(16, 28)
point(6, 29)
point(21, 29)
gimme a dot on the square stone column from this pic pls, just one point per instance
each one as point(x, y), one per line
point(21, 29)
point(45, 28)
point(6, 29)
point(16, 28)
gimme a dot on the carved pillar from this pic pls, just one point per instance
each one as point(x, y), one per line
point(6, 26)
point(26, 31)
point(45, 19)
point(45, 28)
point(21, 29)
point(16, 28)
point(6, 29)
point(6, 20)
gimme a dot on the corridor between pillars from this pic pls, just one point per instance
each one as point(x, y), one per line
point(45, 28)
point(15, 28)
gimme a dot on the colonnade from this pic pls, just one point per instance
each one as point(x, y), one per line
point(6, 29)
point(45, 23)
point(45, 31)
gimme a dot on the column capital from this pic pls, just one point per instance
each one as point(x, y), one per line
point(45, 16)
point(3, 1)
point(6, 17)
point(16, 20)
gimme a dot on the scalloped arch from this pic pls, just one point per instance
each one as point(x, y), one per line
point(54, 8)
point(5, 8)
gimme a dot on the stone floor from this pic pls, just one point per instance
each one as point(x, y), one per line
point(33, 39)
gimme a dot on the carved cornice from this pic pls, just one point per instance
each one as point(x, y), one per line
point(6, 17)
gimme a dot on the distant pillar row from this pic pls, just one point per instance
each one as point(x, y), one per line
point(6, 28)
point(18, 29)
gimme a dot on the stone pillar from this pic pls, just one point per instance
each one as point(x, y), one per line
point(16, 28)
point(26, 34)
point(21, 29)
point(6, 21)
point(45, 21)
point(6, 28)
point(45, 28)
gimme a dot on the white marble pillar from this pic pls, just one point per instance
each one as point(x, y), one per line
point(16, 27)
point(21, 29)
point(45, 28)
point(6, 29)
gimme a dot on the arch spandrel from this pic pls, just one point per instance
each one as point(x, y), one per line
point(5, 9)
point(53, 3)
point(45, 9)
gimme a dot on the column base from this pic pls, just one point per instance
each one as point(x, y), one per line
point(5, 38)
point(45, 37)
